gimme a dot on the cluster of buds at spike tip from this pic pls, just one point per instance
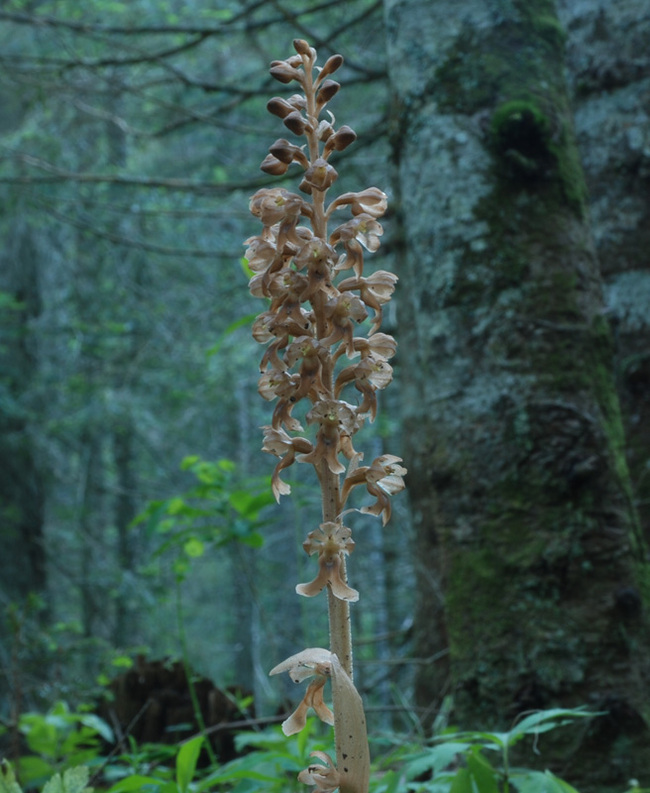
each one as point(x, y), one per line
point(325, 360)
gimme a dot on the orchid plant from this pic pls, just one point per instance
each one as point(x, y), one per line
point(319, 295)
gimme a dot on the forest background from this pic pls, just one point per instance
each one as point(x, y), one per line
point(134, 497)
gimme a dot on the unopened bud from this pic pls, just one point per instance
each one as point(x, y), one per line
point(301, 47)
point(279, 107)
point(295, 122)
point(328, 89)
point(283, 150)
point(284, 73)
point(340, 140)
point(333, 63)
point(273, 166)
point(287, 152)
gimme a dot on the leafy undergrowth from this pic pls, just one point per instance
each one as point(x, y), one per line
point(65, 753)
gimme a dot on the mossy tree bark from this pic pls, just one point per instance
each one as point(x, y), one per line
point(609, 68)
point(533, 571)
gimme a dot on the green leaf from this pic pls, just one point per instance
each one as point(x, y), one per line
point(546, 720)
point(8, 782)
point(489, 740)
point(122, 661)
point(41, 735)
point(462, 782)
point(137, 782)
point(186, 762)
point(435, 759)
point(194, 548)
point(98, 725)
point(239, 323)
point(249, 504)
point(540, 782)
point(175, 506)
point(189, 461)
point(483, 774)
point(73, 781)
point(247, 270)
point(34, 770)
point(253, 540)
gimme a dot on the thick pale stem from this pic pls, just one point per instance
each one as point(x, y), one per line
point(339, 610)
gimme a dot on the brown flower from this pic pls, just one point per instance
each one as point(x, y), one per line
point(324, 777)
point(363, 228)
point(382, 479)
point(314, 662)
point(371, 202)
point(272, 205)
point(375, 290)
point(320, 175)
point(279, 443)
point(260, 253)
point(337, 421)
point(285, 386)
point(371, 374)
point(318, 258)
point(343, 312)
point(331, 541)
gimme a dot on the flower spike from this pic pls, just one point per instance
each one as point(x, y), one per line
point(322, 304)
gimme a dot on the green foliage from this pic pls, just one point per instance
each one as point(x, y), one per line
point(212, 513)
point(59, 740)
point(456, 761)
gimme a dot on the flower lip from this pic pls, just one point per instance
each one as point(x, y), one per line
point(331, 541)
point(324, 777)
point(313, 662)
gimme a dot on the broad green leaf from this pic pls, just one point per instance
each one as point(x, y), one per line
point(137, 782)
point(189, 461)
point(99, 725)
point(539, 782)
point(186, 761)
point(253, 540)
point(462, 782)
point(8, 782)
point(175, 506)
point(484, 776)
point(33, 769)
point(42, 737)
point(74, 780)
point(435, 759)
point(194, 548)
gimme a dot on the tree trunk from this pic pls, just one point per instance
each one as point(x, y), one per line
point(22, 561)
point(609, 65)
point(532, 563)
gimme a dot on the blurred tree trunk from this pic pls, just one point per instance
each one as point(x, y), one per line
point(126, 616)
point(609, 65)
point(124, 424)
point(22, 562)
point(532, 562)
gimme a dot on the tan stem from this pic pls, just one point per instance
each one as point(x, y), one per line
point(339, 610)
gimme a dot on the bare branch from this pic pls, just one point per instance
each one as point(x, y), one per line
point(186, 185)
